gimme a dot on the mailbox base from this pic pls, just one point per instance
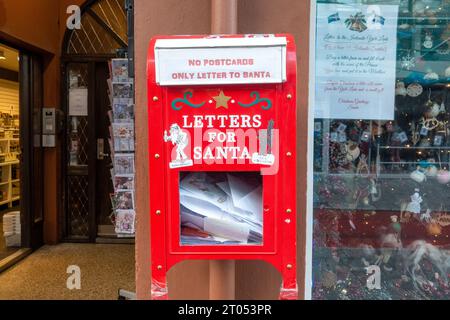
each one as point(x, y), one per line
point(288, 290)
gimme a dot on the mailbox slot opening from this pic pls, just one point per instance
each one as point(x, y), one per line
point(221, 208)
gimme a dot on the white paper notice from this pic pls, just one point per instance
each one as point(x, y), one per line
point(356, 61)
point(78, 102)
point(220, 61)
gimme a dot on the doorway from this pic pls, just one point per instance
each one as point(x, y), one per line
point(87, 163)
point(88, 182)
point(21, 154)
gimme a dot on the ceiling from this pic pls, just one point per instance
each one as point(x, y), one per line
point(12, 58)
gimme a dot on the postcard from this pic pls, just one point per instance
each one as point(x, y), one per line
point(124, 200)
point(123, 90)
point(124, 183)
point(123, 163)
point(125, 221)
point(123, 137)
point(123, 112)
point(119, 70)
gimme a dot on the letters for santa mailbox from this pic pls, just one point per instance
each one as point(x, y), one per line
point(222, 152)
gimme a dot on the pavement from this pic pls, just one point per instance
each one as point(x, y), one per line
point(43, 275)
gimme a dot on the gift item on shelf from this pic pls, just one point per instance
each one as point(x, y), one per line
point(12, 229)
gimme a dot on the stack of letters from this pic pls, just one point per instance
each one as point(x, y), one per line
point(221, 208)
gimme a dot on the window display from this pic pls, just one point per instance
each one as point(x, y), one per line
point(382, 150)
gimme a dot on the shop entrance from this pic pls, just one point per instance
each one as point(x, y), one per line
point(21, 154)
point(87, 161)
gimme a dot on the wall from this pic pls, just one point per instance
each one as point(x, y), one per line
point(281, 16)
point(33, 25)
point(254, 280)
point(153, 18)
point(33, 22)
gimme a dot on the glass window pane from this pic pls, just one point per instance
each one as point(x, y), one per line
point(382, 150)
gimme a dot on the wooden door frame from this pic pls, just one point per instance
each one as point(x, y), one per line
point(26, 98)
point(91, 62)
point(27, 81)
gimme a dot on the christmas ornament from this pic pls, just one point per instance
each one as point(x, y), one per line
point(400, 89)
point(414, 204)
point(426, 216)
point(434, 229)
point(447, 72)
point(395, 225)
point(430, 123)
point(432, 19)
point(431, 171)
point(356, 22)
point(428, 42)
point(408, 62)
point(363, 168)
point(431, 76)
point(374, 190)
point(445, 36)
point(443, 219)
point(443, 176)
point(433, 109)
point(352, 150)
point(419, 8)
point(414, 90)
point(443, 49)
point(418, 176)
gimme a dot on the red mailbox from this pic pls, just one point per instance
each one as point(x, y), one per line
point(222, 152)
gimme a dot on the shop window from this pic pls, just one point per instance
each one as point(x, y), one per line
point(10, 154)
point(382, 150)
point(221, 208)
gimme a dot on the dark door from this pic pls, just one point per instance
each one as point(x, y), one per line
point(87, 178)
point(31, 165)
point(103, 166)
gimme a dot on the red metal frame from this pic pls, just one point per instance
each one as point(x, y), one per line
point(279, 190)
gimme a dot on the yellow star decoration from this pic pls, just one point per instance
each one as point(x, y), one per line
point(222, 100)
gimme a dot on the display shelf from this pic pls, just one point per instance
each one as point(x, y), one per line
point(6, 169)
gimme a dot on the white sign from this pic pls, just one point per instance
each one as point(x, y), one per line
point(220, 61)
point(78, 102)
point(356, 61)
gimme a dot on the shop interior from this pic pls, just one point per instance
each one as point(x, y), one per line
point(10, 226)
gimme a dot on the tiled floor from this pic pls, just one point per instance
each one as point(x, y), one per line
point(42, 275)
